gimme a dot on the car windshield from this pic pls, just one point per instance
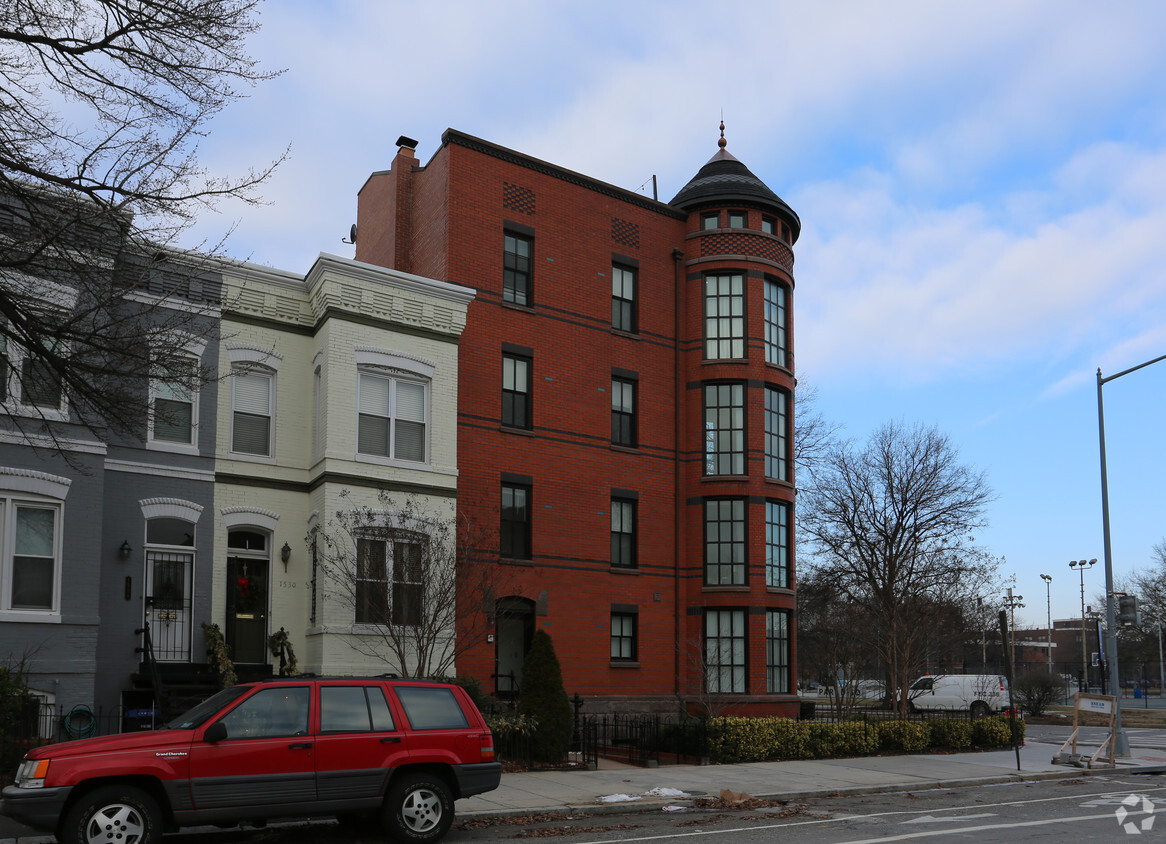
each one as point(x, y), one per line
point(200, 713)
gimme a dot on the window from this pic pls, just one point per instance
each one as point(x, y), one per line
point(40, 384)
point(776, 346)
point(711, 220)
point(516, 388)
point(251, 404)
point(768, 225)
point(515, 527)
point(380, 601)
point(277, 711)
point(623, 412)
point(724, 542)
point(777, 544)
point(724, 651)
point(391, 417)
point(623, 298)
point(408, 585)
point(777, 459)
point(724, 316)
point(431, 708)
point(317, 413)
point(623, 532)
point(724, 429)
point(516, 269)
point(623, 636)
point(174, 406)
point(777, 652)
point(31, 565)
point(354, 709)
point(737, 219)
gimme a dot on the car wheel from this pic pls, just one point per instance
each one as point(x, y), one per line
point(980, 709)
point(118, 813)
point(419, 808)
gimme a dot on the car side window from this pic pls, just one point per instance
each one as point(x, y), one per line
point(923, 685)
point(431, 707)
point(354, 709)
point(269, 713)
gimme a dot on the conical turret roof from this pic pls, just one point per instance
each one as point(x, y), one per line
point(724, 181)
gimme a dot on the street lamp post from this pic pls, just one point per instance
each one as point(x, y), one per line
point(1121, 742)
point(1012, 602)
point(1081, 565)
point(1049, 602)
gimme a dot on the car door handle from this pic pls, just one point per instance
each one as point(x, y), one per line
point(300, 745)
point(391, 740)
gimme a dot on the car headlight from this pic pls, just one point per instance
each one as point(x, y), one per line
point(32, 773)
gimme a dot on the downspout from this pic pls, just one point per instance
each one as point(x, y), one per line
point(677, 463)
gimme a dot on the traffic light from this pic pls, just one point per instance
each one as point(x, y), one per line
point(1127, 610)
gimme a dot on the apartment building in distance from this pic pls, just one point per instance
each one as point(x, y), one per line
point(624, 418)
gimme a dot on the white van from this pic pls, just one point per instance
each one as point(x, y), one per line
point(979, 694)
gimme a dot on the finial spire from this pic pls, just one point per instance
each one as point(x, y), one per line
point(722, 143)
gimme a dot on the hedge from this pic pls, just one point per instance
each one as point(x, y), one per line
point(735, 739)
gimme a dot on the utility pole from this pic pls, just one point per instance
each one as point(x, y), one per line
point(1048, 579)
point(1012, 602)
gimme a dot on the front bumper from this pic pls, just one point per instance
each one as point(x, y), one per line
point(39, 808)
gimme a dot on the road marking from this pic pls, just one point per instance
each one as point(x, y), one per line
point(983, 828)
point(953, 819)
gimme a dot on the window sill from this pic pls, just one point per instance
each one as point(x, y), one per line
point(624, 570)
point(31, 616)
point(510, 429)
point(780, 590)
point(514, 306)
point(621, 663)
point(714, 478)
point(172, 448)
point(32, 411)
point(714, 588)
point(626, 449)
point(630, 335)
point(780, 483)
point(251, 458)
point(509, 561)
point(378, 460)
point(715, 361)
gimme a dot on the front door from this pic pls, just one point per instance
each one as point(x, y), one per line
point(515, 629)
point(168, 578)
point(246, 632)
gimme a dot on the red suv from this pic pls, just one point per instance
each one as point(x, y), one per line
point(399, 751)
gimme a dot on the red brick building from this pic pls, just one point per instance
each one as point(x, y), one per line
point(625, 416)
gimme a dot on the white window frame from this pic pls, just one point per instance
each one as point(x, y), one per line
point(255, 370)
point(191, 446)
point(395, 380)
point(9, 505)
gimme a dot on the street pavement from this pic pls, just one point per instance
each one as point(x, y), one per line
point(619, 788)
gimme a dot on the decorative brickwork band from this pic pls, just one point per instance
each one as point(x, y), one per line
point(518, 198)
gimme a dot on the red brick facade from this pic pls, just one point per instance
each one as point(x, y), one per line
point(447, 220)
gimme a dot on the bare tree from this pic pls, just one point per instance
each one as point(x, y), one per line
point(418, 595)
point(102, 105)
point(827, 646)
point(813, 433)
point(892, 528)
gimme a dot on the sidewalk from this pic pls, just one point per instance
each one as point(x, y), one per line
point(583, 790)
point(577, 791)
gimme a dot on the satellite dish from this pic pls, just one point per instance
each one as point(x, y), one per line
point(351, 235)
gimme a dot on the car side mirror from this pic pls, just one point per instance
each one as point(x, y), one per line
point(216, 732)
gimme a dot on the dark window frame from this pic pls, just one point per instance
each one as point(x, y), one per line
point(725, 542)
point(624, 420)
point(624, 642)
point(518, 268)
point(515, 521)
point(724, 316)
point(738, 219)
point(776, 319)
point(725, 428)
point(624, 534)
point(778, 653)
point(624, 311)
point(778, 544)
point(517, 400)
point(778, 462)
point(737, 639)
point(713, 217)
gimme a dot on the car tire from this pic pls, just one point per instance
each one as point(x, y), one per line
point(419, 808)
point(979, 709)
point(119, 813)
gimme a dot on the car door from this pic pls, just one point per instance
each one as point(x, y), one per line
point(359, 742)
point(267, 758)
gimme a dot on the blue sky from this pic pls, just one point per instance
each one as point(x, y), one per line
point(982, 189)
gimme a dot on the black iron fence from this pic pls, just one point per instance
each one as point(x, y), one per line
point(642, 739)
point(44, 723)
